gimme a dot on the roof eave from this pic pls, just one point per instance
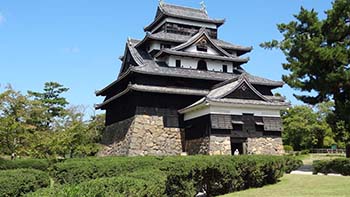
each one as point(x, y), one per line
point(102, 92)
point(217, 22)
point(237, 60)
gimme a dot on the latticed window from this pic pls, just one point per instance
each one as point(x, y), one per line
point(202, 65)
point(202, 45)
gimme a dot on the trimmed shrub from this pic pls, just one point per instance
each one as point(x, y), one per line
point(177, 176)
point(339, 166)
point(39, 164)
point(288, 148)
point(75, 171)
point(305, 152)
point(291, 164)
point(140, 183)
point(20, 181)
point(220, 174)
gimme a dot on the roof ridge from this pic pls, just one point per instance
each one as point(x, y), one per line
point(226, 89)
point(202, 31)
point(181, 6)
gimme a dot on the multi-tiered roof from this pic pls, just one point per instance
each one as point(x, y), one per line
point(173, 32)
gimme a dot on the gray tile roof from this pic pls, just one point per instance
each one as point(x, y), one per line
point(169, 90)
point(221, 91)
point(182, 12)
point(154, 89)
point(200, 34)
point(247, 101)
point(205, 100)
point(147, 65)
point(177, 38)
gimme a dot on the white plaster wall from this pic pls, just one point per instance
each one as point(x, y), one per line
point(191, 63)
point(234, 110)
point(154, 45)
point(210, 50)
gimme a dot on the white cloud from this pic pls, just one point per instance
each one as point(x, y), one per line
point(72, 49)
point(2, 19)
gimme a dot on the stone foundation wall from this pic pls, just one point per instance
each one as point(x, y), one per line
point(220, 145)
point(265, 145)
point(141, 135)
point(197, 146)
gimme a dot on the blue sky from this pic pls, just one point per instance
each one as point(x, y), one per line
point(77, 43)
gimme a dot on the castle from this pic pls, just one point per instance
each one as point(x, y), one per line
point(183, 90)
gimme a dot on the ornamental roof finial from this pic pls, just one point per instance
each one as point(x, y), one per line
point(203, 6)
point(161, 2)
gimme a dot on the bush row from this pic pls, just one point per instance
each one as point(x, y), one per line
point(168, 176)
point(20, 181)
point(139, 183)
point(75, 171)
point(220, 174)
point(339, 166)
point(291, 164)
point(78, 170)
point(39, 164)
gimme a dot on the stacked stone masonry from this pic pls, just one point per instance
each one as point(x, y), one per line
point(146, 135)
point(220, 145)
point(265, 145)
point(141, 135)
point(197, 146)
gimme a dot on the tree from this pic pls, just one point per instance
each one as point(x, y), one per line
point(52, 101)
point(76, 137)
point(13, 121)
point(318, 58)
point(304, 128)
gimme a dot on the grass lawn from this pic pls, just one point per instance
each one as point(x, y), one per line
point(302, 185)
point(309, 158)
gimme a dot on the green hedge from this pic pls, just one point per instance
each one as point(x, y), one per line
point(20, 181)
point(75, 171)
point(39, 164)
point(220, 174)
point(288, 148)
point(291, 164)
point(140, 183)
point(174, 176)
point(339, 166)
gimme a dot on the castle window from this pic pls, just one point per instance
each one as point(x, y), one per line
point(202, 65)
point(178, 63)
point(224, 68)
point(202, 45)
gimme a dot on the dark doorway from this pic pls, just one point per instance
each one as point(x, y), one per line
point(238, 146)
point(202, 65)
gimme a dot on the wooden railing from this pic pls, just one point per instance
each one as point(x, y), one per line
point(327, 151)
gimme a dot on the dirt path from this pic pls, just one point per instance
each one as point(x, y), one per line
point(307, 168)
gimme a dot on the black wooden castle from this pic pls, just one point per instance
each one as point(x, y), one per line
point(182, 89)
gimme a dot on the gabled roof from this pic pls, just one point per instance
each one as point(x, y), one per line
point(222, 91)
point(201, 33)
point(218, 96)
point(178, 38)
point(146, 65)
point(168, 10)
point(183, 11)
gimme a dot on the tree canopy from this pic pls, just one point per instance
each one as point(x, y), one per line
point(43, 125)
point(305, 127)
point(318, 57)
